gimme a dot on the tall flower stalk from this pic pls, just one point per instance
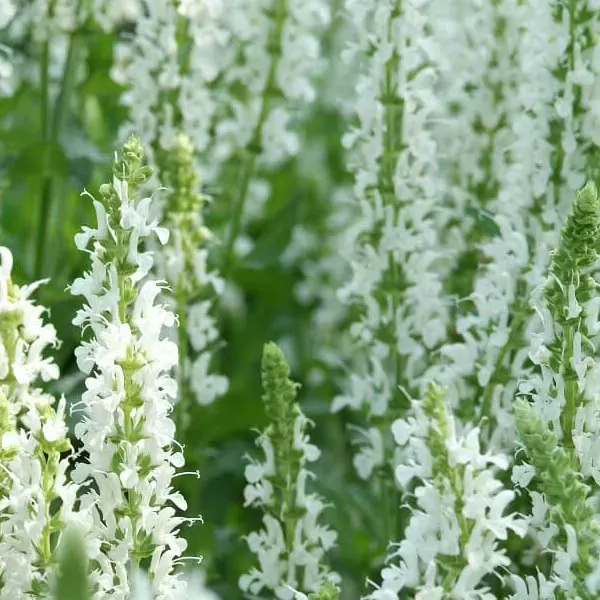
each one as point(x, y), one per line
point(292, 546)
point(559, 428)
point(488, 184)
point(395, 289)
point(126, 428)
point(36, 501)
point(185, 263)
point(284, 42)
point(250, 68)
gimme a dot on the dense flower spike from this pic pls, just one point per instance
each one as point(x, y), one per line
point(518, 81)
point(36, 501)
point(489, 185)
point(564, 515)
point(291, 548)
point(194, 286)
point(148, 66)
point(453, 539)
point(275, 53)
point(396, 257)
point(126, 428)
point(560, 431)
point(563, 389)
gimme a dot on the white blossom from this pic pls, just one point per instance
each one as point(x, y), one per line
point(33, 435)
point(126, 428)
point(461, 509)
point(292, 545)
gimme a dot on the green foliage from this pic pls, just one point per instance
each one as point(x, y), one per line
point(72, 580)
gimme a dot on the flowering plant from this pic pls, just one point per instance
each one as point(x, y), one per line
point(402, 194)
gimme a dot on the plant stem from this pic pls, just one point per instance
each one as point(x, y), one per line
point(45, 127)
point(253, 148)
point(514, 332)
point(51, 127)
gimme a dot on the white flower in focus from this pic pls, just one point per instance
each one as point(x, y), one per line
point(126, 428)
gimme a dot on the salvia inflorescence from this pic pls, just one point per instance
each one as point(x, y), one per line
point(403, 194)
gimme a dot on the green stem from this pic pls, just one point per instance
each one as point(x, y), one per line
point(392, 145)
point(45, 130)
point(51, 128)
point(253, 148)
point(393, 107)
point(514, 332)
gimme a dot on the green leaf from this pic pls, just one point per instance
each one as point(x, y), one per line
point(72, 581)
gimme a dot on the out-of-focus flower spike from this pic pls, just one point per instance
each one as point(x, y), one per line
point(292, 546)
point(183, 262)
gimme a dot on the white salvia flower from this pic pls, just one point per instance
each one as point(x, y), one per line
point(278, 48)
point(461, 509)
point(196, 587)
point(292, 545)
point(147, 65)
point(271, 50)
point(498, 161)
point(558, 425)
point(563, 520)
point(395, 254)
point(126, 428)
point(565, 327)
point(184, 264)
point(533, 588)
point(267, 47)
point(44, 19)
point(33, 435)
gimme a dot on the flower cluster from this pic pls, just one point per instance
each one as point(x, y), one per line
point(147, 65)
point(36, 500)
point(521, 141)
point(563, 388)
point(559, 429)
point(126, 428)
point(563, 519)
point(185, 262)
point(291, 548)
point(452, 541)
point(196, 587)
point(488, 185)
point(396, 257)
point(243, 56)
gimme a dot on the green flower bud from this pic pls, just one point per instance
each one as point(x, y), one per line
point(129, 165)
point(576, 253)
point(280, 391)
point(328, 591)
